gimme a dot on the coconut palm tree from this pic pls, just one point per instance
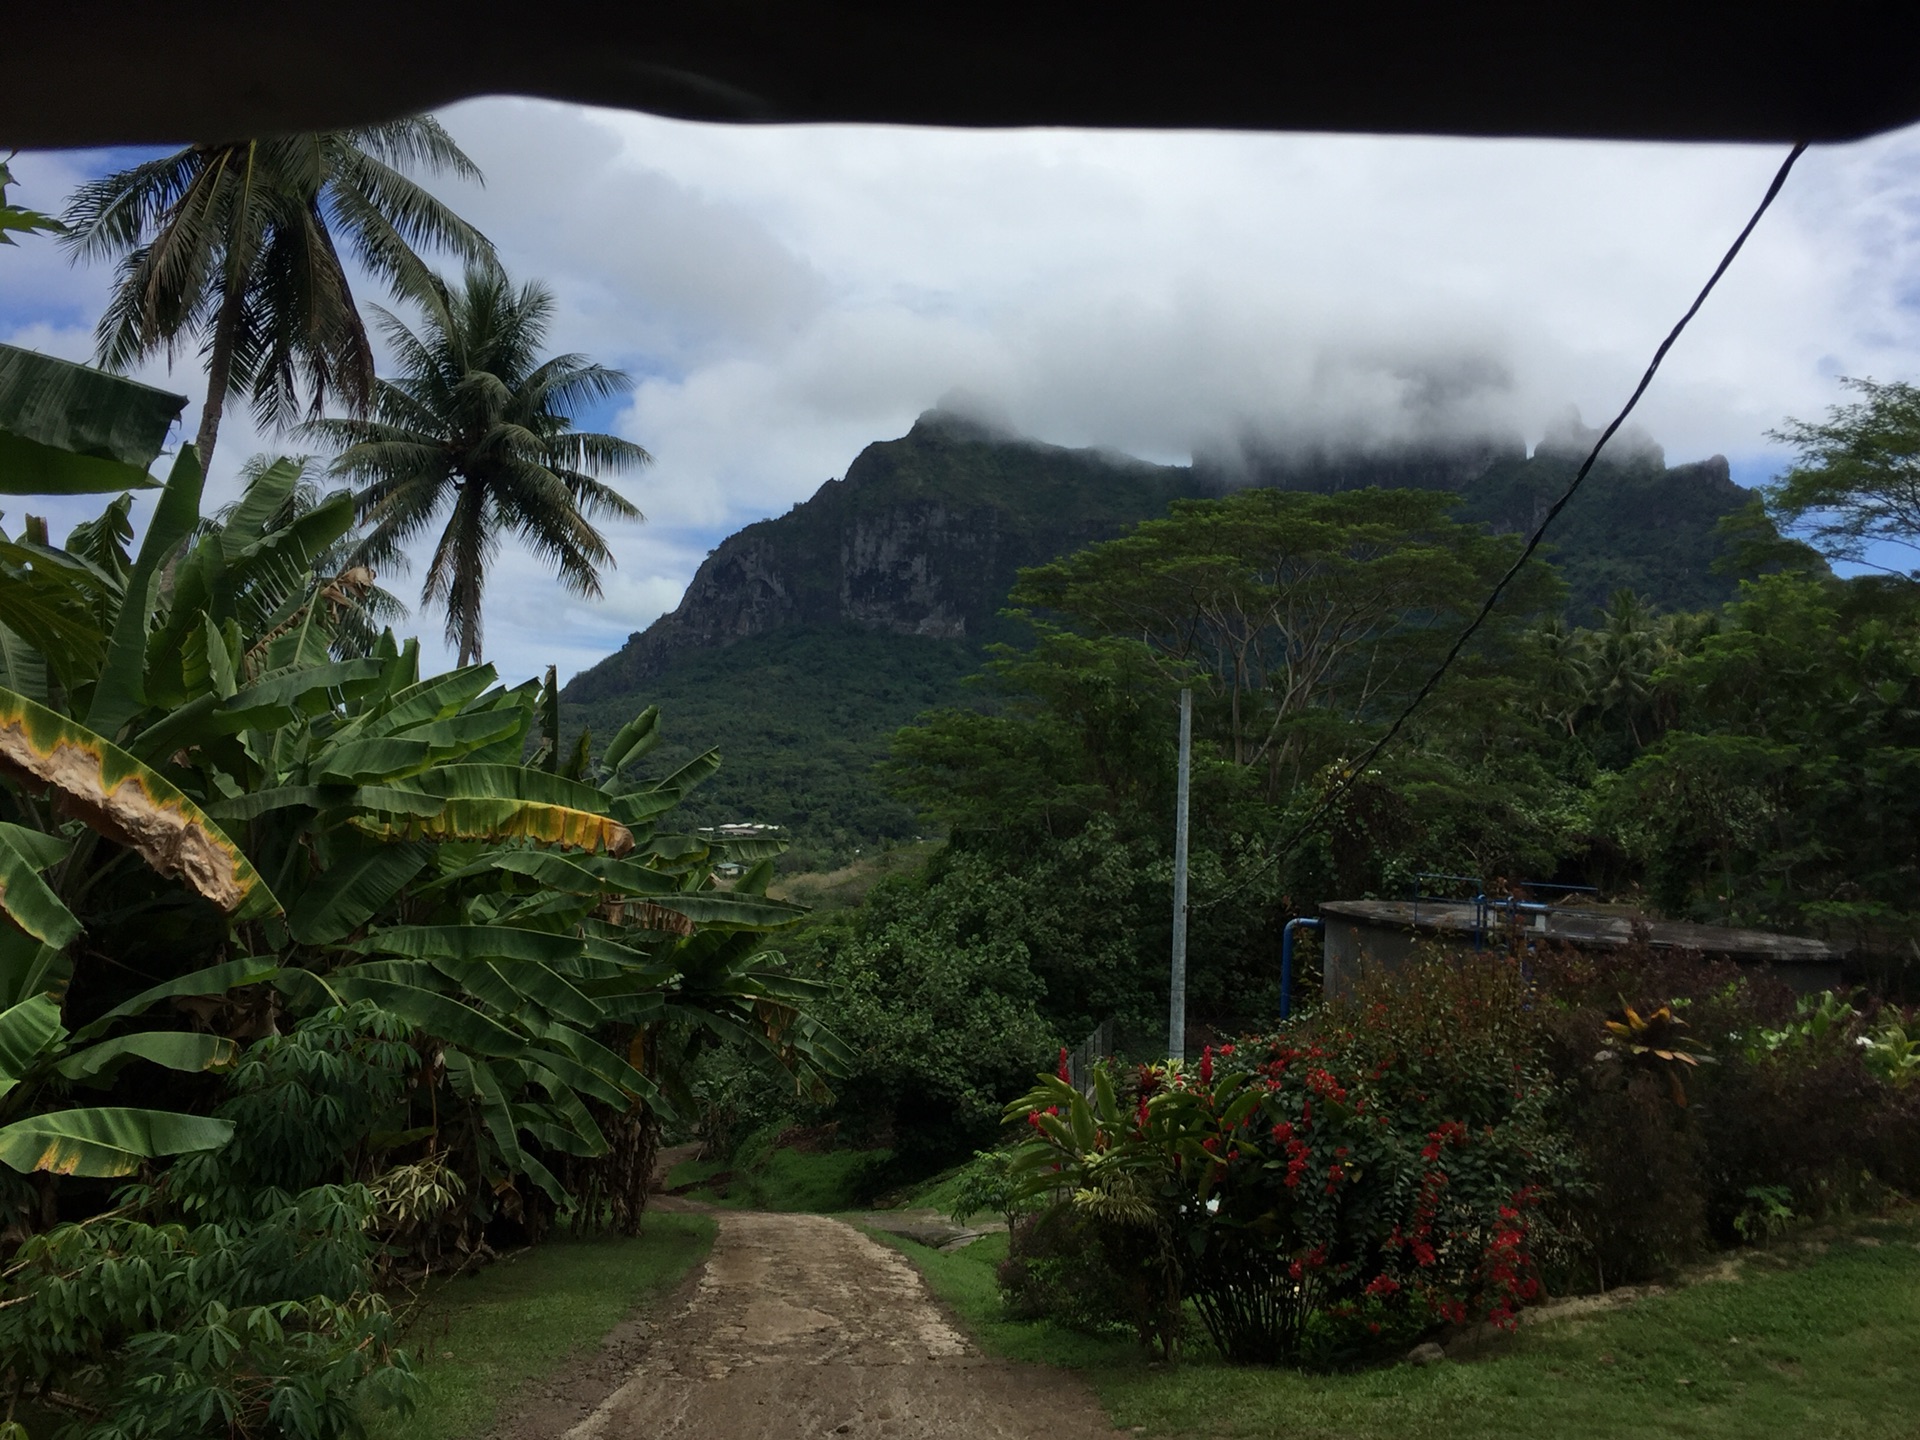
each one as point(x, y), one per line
point(234, 245)
point(476, 427)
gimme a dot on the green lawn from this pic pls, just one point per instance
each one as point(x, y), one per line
point(769, 1177)
point(478, 1338)
point(1809, 1341)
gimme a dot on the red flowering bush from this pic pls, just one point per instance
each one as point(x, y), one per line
point(1376, 1176)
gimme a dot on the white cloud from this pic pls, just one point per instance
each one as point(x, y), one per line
point(786, 295)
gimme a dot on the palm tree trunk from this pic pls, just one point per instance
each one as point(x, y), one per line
point(219, 369)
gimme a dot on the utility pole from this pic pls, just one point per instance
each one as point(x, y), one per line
point(1177, 1003)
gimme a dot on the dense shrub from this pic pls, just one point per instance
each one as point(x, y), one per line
point(1454, 1140)
point(1307, 1191)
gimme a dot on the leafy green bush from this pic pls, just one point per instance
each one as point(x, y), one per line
point(1385, 1172)
point(255, 1328)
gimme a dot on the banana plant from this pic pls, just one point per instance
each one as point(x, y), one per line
point(38, 1053)
point(203, 758)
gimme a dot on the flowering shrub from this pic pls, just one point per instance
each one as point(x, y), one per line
point(1308, 1191)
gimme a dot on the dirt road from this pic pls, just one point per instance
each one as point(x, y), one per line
point(802, 1326)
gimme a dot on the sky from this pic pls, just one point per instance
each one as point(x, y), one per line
point(784, 296)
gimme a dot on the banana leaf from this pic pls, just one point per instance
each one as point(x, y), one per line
point(27, 898)
point(28, 1031)
point(104, 1140)
point(68, 429)
point(129, 803)
point(122, 690)
point(174, 1049)
point(351, 890)
point(632, 740)
point(213, 980)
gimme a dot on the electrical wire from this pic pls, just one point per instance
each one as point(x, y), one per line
point(1353, 772)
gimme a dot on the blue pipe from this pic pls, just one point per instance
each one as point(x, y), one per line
point(1286, 959)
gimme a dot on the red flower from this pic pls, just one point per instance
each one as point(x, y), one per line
point(1206, 1065)
point(1282, 1133)
point(1065, 1074)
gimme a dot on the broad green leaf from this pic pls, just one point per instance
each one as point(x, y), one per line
point(27, 1032)
point(68, 429)
point(632, 740)
point(305, 692)
point(105, 1141)
point(213, 980)
point(584, 874)
point(551, 991)
point(27, 899)
point(351, 890)
point(23, 669)
point(175, 1049)
point(716, 907)
point(129, 803)
point(264, 495)
point(425, 700)
point(37, 847)
point(440, 1016)
point(690, 774)
point(283, 797)
point(470, 942)
point(121, 690)
point(29, 968)
point(386, 758)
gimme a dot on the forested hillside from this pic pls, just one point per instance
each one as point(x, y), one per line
point(805, 641)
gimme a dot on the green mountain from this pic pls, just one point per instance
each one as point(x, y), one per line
point(805, 641)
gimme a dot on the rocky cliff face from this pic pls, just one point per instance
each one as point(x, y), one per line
point(926, 533)
point(922, 537)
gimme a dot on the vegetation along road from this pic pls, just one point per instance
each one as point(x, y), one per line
point(800, 1325)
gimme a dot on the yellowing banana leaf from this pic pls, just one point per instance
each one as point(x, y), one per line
point(27, 1032)
point(106, 1140)
point(508, 819)
point(68, 429)
point(175, 1049)
point(114, 794)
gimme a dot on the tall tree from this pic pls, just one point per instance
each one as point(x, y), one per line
point(1857, 479)
point(233, 245)
point(478, 427)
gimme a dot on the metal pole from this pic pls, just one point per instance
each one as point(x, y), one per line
point(1177, 1003)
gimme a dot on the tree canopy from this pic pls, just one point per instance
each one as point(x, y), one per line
point(476, 426)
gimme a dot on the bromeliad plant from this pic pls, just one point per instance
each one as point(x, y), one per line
point(1311, 1194)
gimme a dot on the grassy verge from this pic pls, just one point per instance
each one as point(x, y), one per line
point(764, 1176)
point(479, 1338)
point(1810, 1339)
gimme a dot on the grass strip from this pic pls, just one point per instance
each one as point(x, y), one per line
point(1814, 1338)
point(480, 1337)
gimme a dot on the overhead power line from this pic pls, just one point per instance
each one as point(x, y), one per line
point(1359, 768)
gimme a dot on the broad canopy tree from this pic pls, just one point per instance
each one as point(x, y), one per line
point(1857, 477)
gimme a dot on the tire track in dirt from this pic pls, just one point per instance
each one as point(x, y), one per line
point(801, 1326)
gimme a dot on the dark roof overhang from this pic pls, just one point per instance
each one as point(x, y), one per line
point(88, 72)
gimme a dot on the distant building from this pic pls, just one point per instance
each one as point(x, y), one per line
point(737, 830)
point(1361, 933)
